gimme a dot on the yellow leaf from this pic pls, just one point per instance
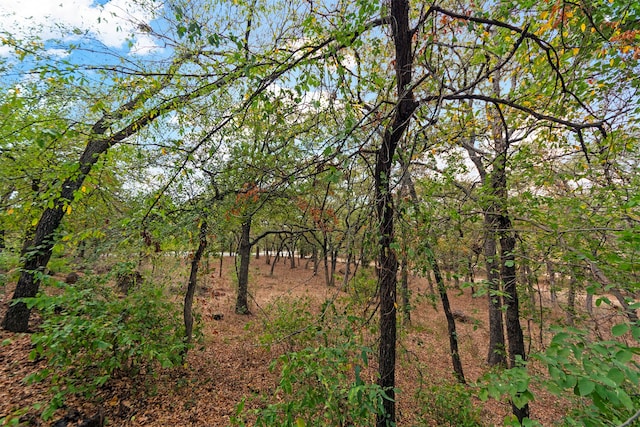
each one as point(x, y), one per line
point(69, 210)
point(626, 48)
point(34, 222)
point(163, 151)
point(300, 422)
point(544, 14)
point(395, 305)
point(576, 50)
point(583, 27)
point(83, 189)
point(9, 211)
point(611, 62)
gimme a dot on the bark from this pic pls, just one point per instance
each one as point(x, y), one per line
point(508, 273)
point(451, 323)
point(242, 305)
point(193, 281)
point(385, 208)
point(38, 252)
point(497, 348)
point(552, 282)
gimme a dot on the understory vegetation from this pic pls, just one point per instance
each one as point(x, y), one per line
point(320, 213)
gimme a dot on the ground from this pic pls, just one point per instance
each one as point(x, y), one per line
point(230, 363)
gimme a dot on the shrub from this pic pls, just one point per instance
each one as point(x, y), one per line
point(89, 335)
point(448, 405)
point(321, 386)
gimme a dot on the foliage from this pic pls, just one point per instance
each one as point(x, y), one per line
point(602, 375)
point(289, 322)
point(321, 386)
point(448, 405)
point(363, 286)
point(89, 335)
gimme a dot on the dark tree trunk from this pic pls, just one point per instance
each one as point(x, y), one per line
point(385, 208)
point(508, 273)
point(193, 281)
point(221, 260)
point(38, 252)
point(244, 249)
point(497, 348)
point(276, 258)
point(451, 322)
point(552, 282)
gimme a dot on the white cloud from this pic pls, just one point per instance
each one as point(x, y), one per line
point(112, 23)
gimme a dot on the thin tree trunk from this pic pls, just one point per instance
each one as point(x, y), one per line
point(242, 305)
point(552, 282)
point(191, 288)
point(451, 322)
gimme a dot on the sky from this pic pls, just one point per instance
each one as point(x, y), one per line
point(111, 22)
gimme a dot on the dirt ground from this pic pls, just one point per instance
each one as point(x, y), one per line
point(230, 364)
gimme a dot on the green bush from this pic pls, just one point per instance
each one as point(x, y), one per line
point(89, 335)
point(448, 405)
point(601, 377)
point(321, 386)
point(363, 286)
point(289, 323)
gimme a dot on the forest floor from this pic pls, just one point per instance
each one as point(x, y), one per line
point(232, 363)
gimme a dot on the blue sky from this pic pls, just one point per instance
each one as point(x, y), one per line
point(109, 22)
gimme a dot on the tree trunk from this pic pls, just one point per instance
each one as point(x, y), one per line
point(242, 305)
point(193, 280)
point(451, 322)
point(552, 282)
point(508, 273)
point(385, 208)
point(37, 254)
point(497, 348)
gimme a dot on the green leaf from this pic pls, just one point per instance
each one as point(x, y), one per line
point(585, 387)
point(620, 329)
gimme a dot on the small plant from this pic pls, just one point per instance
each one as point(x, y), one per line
point(89, 335)
point(321, 386)
point(364, 286)
point(290, 323)
point(448, 405)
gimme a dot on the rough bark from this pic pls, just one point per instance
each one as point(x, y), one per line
point(385, 209)
point(244, 250)
point(37, 254)
point(497, 347)
point(451, 322)
point(193, 281)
